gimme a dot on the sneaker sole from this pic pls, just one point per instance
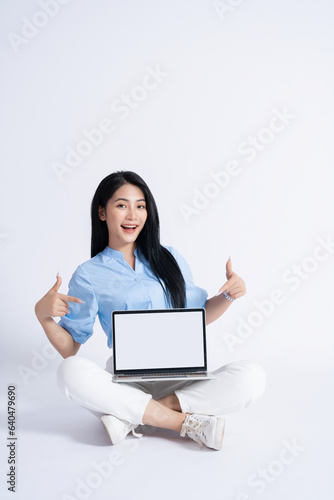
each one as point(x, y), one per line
point(220, 429)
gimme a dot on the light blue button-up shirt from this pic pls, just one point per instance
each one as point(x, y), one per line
point(107, 282)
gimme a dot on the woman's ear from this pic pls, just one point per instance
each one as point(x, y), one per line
point(102, 214)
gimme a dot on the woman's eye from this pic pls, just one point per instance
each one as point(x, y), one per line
point(141, 206)
point(121, 205)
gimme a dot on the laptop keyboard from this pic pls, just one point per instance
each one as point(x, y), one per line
point(158, 375)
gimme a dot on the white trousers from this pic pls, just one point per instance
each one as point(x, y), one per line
point(236, 386)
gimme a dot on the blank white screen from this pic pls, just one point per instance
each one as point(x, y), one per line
point(159, 340)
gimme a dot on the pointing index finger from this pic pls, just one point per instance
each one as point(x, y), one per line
point(222, 289)
point(71, 299)
point(226, 286)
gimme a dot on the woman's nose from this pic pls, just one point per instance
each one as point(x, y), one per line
point(131, 213)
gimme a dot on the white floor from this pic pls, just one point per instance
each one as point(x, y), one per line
point(64, 453)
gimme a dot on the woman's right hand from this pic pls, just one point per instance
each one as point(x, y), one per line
point(54, 303)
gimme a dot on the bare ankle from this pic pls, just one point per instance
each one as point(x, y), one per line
point(158, 415)
point(171, 401)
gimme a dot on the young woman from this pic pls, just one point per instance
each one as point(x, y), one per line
point(130, 269)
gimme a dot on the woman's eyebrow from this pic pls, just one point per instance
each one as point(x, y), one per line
point(124, 199)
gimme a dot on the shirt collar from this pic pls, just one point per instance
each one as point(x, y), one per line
point(116, 254)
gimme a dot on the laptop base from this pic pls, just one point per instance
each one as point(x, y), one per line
point(162, 377)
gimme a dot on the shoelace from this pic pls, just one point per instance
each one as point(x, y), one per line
point(192, 427)
point(130, 427)
point(136, 434)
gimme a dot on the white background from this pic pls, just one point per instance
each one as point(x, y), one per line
point(227, 74)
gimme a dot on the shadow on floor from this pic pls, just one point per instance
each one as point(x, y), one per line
point(78, 424)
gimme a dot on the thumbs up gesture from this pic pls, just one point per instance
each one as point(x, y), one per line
point(54, 303)
point(234, 286)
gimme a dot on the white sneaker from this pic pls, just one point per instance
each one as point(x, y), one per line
point(204, 429)
point(117, 429)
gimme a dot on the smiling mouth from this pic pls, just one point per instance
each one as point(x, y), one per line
point(127, 228)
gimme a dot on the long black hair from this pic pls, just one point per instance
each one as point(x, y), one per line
point(161, 261)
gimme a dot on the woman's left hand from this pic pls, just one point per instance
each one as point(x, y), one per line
point(235, 286)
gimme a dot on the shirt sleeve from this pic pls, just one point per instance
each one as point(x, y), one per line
point(81, 318)
point(196, 296)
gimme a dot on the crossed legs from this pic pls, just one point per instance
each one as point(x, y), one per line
point(160, 404)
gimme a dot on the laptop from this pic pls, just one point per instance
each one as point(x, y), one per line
point(159, 344)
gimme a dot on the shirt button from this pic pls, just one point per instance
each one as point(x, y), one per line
point(136, 279)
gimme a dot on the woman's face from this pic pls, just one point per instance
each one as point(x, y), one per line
point(127, 207)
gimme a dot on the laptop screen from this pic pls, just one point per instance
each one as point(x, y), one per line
point(159, 340)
